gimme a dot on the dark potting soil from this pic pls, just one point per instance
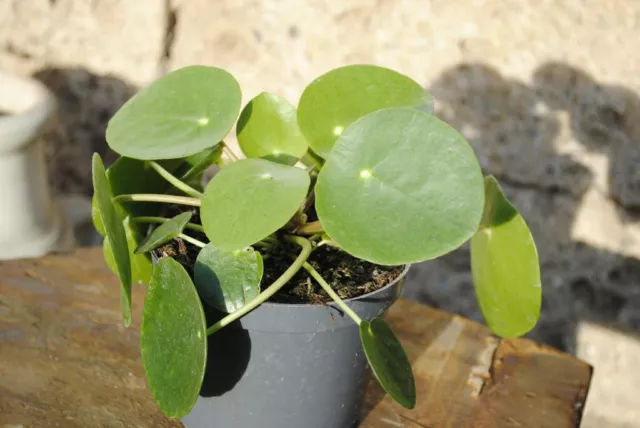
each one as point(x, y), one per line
point(348, 276)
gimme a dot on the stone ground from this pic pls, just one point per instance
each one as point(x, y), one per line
point(547, 93)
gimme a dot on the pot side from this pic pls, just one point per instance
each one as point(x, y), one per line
point(289, 366)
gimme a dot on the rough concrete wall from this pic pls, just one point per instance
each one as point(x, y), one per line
point(547, 93)
point(92, 54)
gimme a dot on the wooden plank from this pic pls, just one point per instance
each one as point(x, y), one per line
point(65, 357)
point(465, 377)
point(66, 360)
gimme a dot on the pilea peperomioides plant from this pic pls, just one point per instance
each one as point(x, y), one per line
point(361, 165)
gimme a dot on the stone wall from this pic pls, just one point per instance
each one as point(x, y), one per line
point(547, 93)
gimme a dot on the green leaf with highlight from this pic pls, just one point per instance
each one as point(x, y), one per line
point(333, 101)
point(268, 129)
point(178, 115)
point(400, 186)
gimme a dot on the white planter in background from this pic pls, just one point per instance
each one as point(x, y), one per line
point(30, 222)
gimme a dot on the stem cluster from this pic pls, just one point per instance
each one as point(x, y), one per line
point(313, 229)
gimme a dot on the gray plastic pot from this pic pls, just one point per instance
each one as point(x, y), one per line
point(289, 366)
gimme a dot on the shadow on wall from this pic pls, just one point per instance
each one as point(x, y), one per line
point(536, 139)
point(86, 102)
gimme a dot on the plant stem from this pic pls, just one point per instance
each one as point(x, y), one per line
point(146, 219)
point(308, 202)
point(192, 240)
point(272, 289)
point(312, 228)
point(310, 159)
point(262, 244)
point(328, 242)
point(271, 240)
point(229, 152)
point(314, 273)
point(175, 181)
point(152, 197)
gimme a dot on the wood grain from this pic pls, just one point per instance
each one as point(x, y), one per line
point(66, 360)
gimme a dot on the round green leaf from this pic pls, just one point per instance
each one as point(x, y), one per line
point(178, 115)
point(338, 98)
point(388, 361)
point(268, 129)
point(249, 200)
point(228, 280)
point(505, 267)
point(114, 232)
point(164, 233)
point(400, 187)
point(141, 265)
point(173, 339)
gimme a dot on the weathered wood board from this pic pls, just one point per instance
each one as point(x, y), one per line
point(66, 360)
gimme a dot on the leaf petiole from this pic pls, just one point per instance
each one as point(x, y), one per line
point(314, 273)
point(312, 160)
point(152, 197)
point(175, 181)
point(312, 228)
point(229, 151)
point(328, 242)
point(191, 240)
point(272, 289)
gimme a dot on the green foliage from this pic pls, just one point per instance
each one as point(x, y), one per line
point(228, 280)
point(249, 200)
point(362, 165)
point(173, 339)
point(505, 268)
point(338, 98)
point(400, 187)
point(192, 167)
point(268, 129)
point(127, 176)
point(180, 114)
point(141, 267)
point(114, 232)
point(388, 361)
point(164, 233)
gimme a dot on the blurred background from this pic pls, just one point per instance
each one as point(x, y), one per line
point(547, 93)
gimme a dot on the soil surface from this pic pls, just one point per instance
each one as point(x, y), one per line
point(349, 276)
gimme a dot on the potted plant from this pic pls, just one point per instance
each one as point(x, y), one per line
point(267, 284)
point(32, 224)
